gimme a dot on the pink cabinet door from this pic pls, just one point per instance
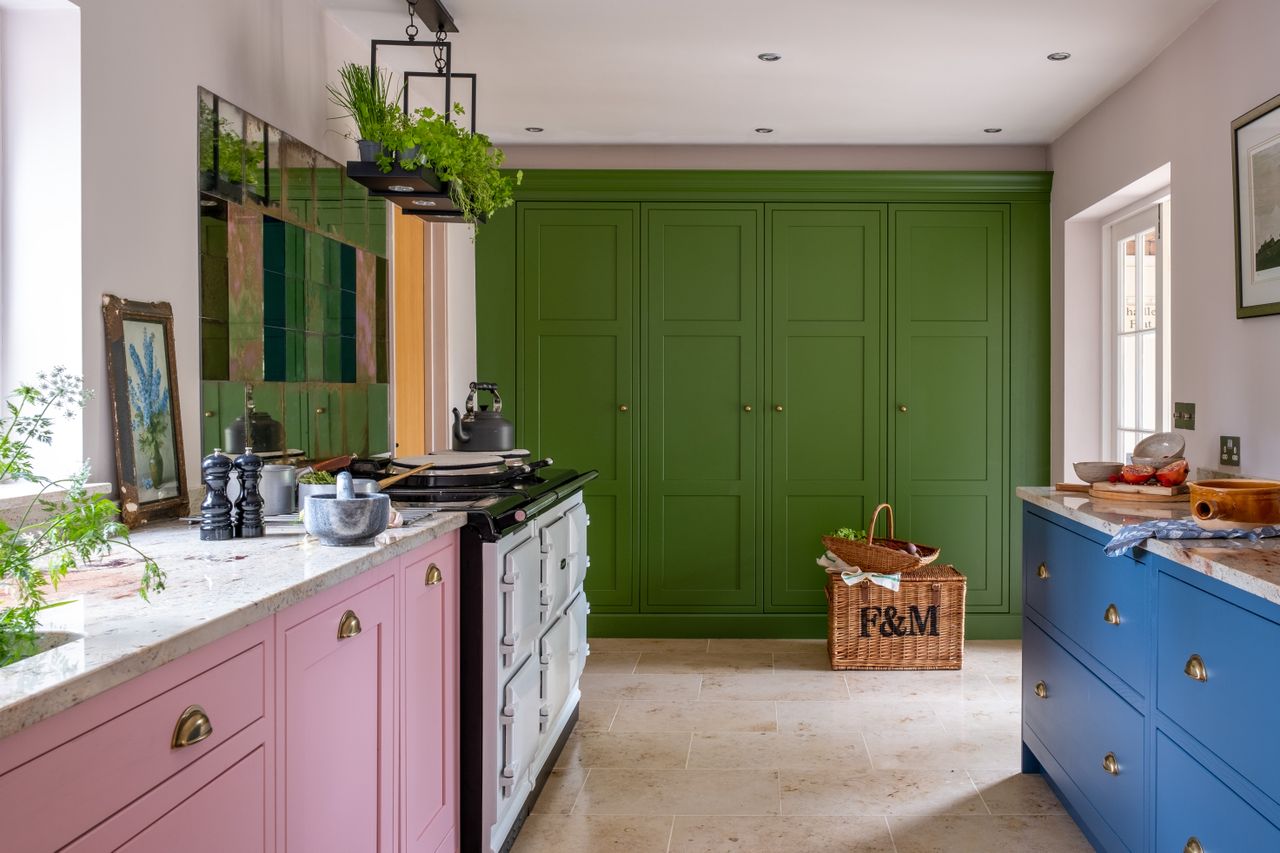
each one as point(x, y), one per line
point(337, 718)
point(429, 745)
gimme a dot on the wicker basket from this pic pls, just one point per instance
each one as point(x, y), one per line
point(921, 626)
point(880, 555)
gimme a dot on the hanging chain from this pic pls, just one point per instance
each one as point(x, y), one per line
point(412, 30)
point(441, 65)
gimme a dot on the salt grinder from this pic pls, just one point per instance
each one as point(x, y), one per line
point(248, 514)
point(215, 509)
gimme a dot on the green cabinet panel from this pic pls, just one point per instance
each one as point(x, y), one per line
point(324, 404)
point(577, 333)
point(825, 412)
point(703, 409)
point(949, 387)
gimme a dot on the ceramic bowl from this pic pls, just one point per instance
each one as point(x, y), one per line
point(1232, 504)
point(1159, 450)
point(1097, 472)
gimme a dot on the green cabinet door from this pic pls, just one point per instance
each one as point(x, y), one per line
point(578, 268)
point(950, 385)
point(825, 411)
point(703, 409)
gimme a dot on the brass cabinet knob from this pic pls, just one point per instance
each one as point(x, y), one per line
point(1042, 572)
point(1041, 690)
point(623, 408)
point(1193, 845)
point(778, 408)
point(320, 410)
point(1110, 764)
point(434, 575)
point(348, 625)
point(746, 408)
point(210, 413)
point(902, 407)
point(193, 726)
point(1195, 668)
point(1112, 615)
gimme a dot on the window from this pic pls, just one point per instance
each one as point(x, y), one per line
point(1138, 260)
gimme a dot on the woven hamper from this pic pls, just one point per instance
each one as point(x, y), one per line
point(921, 626)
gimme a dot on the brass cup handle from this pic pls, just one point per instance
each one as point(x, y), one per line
point(1112, 615)
point(434, 575)
point(746, 408)
point(348, 625)
point(1042, 572)
point(1042, 690)
point(193, 726)
point(1195, 668)
point(1110, 764)
point(623, 408)
point(1193, 845)
point(778, 408)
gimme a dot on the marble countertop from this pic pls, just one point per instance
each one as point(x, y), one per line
point(1251, 566)
point(213, 589)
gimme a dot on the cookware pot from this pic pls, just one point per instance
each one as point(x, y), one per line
point(483, 430)
point(1228, 504)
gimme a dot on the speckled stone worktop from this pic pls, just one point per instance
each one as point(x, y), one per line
point(1251, 566)
point(213, 589)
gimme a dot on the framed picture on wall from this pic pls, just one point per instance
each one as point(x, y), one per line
point(1255, 145)
point(143, 383)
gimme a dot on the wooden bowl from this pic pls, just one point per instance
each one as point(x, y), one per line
point(1231, 504)
point(1096, 472)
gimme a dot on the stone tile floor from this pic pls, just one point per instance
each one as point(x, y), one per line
point(756, 746)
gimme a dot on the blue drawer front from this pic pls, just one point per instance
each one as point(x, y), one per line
point(1234, 713)
point(1080, 720)
point(1082, 584)
point(1193, 803)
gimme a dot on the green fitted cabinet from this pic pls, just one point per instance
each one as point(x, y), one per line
point(577, 376)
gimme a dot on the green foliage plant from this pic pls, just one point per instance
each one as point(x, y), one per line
point(63, 526)
point(238, 159)
point(366, 98)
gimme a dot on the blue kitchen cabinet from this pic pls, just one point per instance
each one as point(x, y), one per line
point(1151, 696)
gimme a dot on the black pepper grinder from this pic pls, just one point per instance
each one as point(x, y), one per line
point(248, 515)
point(215, 509)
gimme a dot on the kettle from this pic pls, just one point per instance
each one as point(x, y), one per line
point(483, 430)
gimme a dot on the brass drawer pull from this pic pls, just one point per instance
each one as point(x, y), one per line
point(348, 625)
point(434, 575)
point(1042, 572)
point(1195, 668)
point(1193, 846)
point(1112, 615)
point(193, 726)
point(1110, 764)
point(1041, 690)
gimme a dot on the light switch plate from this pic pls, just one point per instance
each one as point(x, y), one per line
point(1184, 415)
point(1229, 450)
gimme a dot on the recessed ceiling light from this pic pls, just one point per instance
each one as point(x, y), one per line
point(400, 188)
point(768, 57)
point(1060, 56)
point(764, 130)
point(992, 129)
point(424, 202)
point(534, 129)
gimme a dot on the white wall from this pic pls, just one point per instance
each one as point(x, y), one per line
point(141, 64)
point(1179, 110)
point(40, 327)
point(461, 258)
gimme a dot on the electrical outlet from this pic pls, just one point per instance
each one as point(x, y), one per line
point(1184, 415)
point(1229, 450)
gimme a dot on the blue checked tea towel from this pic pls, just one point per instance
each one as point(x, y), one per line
point(1179, 528)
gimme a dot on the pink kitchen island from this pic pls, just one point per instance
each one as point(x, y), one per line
point(277, 696)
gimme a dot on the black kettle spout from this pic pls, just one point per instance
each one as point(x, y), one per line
point(460, 433)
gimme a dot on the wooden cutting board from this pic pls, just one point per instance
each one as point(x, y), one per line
point(1126, 489)
point(1135, 497)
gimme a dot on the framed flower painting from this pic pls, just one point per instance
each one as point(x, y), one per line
point(1255, 142)
point(142, 379)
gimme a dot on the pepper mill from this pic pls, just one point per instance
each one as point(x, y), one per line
point(215, 509)
point(248, 515)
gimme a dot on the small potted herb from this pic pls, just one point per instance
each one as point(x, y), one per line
point(365, 96)
point(62, 527)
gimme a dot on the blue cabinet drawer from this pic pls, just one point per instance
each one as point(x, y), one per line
point(1098, 601)
point(1193, 803)
point(1233, 710)
point(1081, 721)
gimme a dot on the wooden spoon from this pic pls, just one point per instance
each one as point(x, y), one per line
point(382, 484)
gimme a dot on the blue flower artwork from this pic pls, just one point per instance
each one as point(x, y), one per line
point(150, 410)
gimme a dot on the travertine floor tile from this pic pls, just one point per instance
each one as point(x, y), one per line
point(1007, 686)
point(700, 715)
point(1011, 793)
point(610, 686)
point(668, 792)
point(879, 792)
point(651, 750)
point(703, 663)
point(960, 715)
point(803, 659)
point(1043, 834)
point(780, 835)
point(779, 686)
point(596, 715)
point(773, 751)
point(845, 716)
point(993, 657)
point(762, 645)
point(546, 833)
point(941, 750)
point(624, 662)
point(561, 791)
point(642, 644)
point(929, 685)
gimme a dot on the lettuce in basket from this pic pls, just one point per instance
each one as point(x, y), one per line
point(849, 533)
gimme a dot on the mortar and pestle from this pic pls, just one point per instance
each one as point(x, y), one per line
point(346, 517)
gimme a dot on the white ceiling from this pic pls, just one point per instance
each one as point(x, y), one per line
point(858, 72)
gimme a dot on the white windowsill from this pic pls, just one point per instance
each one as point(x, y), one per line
point(16, 497)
